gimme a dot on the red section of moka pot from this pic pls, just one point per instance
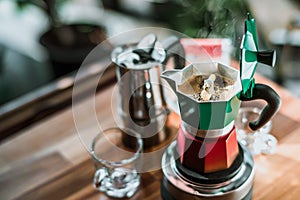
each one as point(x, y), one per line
point(206, 155)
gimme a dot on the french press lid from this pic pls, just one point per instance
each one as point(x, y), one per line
point(135, 56)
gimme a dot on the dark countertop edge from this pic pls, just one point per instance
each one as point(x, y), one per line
point(51, 98)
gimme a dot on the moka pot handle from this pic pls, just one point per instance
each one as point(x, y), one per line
point(261, 91)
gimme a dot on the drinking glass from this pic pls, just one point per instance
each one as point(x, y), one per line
point(117, 164)
point(259, 141)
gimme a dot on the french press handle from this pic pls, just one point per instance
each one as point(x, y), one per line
point(264, 92)
point(174, 49)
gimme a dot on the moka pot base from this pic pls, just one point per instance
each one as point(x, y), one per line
point(207, 151)
point(234, 183)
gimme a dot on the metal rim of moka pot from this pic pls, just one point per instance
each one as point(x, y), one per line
point(214, 133)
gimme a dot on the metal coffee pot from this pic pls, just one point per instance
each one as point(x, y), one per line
point(141, 103)
point(206, 161)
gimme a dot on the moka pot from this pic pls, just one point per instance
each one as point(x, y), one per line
point(206, 161)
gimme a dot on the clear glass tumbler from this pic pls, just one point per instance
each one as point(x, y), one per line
point(117, 164)
point(259, 141)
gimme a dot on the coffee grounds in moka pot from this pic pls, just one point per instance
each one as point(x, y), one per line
point(211, 87)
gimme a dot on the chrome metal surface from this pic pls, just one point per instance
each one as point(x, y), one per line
point(207, 133)
point(141, 99)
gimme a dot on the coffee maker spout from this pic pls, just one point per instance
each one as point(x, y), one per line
point(171, 76)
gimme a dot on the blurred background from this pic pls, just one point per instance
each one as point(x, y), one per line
point(42, 41)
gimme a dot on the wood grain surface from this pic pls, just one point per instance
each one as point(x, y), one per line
point(48, 160)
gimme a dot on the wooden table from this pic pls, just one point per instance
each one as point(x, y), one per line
point(48, 161)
